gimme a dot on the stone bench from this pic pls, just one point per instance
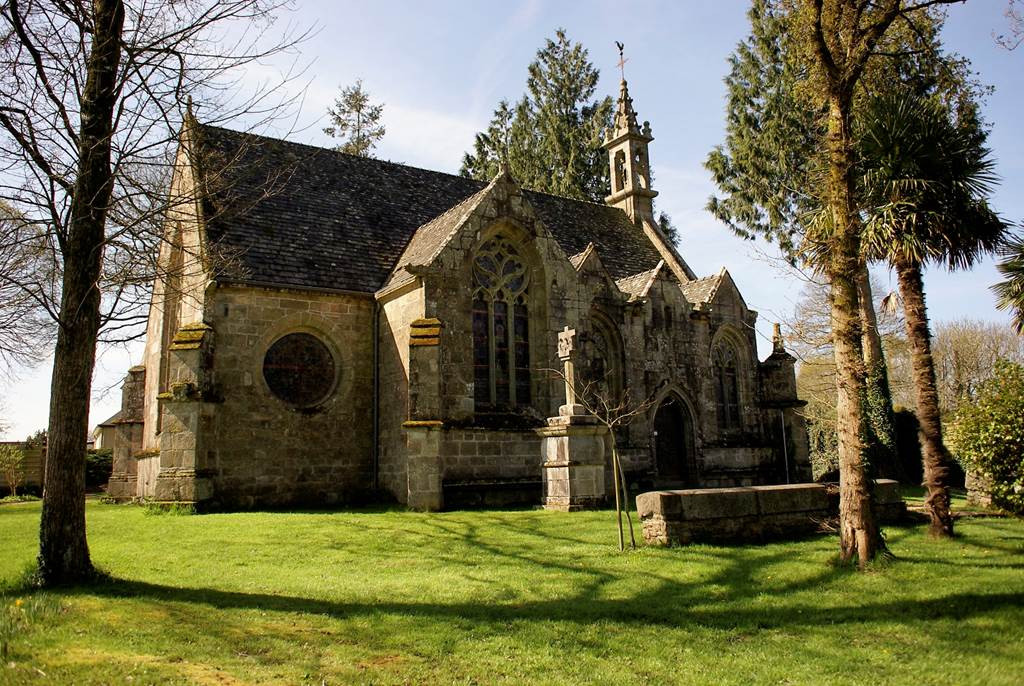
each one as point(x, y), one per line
point(749, 514)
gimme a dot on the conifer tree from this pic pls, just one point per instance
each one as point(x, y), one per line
point(796, 88)
point(767, 177)
point(551, 138)
point(356, 121)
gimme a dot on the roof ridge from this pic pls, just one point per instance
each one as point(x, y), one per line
point(320, 148)
point(377, 160)
point(464, 208)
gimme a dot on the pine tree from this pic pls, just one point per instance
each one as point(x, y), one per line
point(356, 121)
point(767, 176)
point(551, 138)
point(795, 87)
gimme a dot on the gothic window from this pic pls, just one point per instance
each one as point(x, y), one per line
point(501, 336)
point(727, 396)
point(603, 358)
point(299, 369)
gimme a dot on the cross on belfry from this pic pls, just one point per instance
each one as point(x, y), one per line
point(622, 59)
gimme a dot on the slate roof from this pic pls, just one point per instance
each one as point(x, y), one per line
point(112, 419)
point(637, 285)
point(428, 240)
point(702, 290)
point(307, 217)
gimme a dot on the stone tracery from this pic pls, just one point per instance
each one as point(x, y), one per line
point(501, 347)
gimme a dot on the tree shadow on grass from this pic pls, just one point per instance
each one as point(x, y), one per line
point(666, 602)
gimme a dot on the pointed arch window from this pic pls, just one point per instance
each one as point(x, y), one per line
point(602, 358)
point(727, 392)
point(501, 332)
point(619, 168)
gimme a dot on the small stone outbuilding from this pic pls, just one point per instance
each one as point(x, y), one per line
point(331, 328)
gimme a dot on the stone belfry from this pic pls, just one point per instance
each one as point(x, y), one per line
point(630, 169)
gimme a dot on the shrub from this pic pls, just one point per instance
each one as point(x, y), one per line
point(98, 465)
point(12, 466)
point(988, 435)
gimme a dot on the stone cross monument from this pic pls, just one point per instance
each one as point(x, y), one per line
point(573, 445)
point(565, 347)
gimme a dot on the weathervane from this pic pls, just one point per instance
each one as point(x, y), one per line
point(622, 59)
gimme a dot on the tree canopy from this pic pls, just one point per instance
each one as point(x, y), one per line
point(551, 137)
point(356, 121)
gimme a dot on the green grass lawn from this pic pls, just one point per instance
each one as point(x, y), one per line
point(391, 597)
point(914, 496)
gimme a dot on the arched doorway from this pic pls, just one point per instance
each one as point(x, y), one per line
point(673, 444)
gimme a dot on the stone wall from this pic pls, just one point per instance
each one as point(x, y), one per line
point(482, 454)
point(128, 437)
point(264, 451)
point(664, 340)
point(398, 310)
point(179, 294)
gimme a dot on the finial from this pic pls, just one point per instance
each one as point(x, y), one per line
point(778, 344)
point(622, 60)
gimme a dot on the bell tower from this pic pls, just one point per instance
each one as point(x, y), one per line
point(629, 164)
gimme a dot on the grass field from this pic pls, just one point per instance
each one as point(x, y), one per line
point(392, 597)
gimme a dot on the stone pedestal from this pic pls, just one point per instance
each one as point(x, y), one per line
point(423, 465)
point(573, 449)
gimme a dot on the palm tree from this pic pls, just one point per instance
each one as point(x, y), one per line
point(1010, 293)
point(925, 173)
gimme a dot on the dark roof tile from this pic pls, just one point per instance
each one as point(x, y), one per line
point(307, 217)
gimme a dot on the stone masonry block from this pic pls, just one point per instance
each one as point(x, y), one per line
point(791, 498)
point(713, 503)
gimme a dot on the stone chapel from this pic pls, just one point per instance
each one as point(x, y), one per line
point(332, 329)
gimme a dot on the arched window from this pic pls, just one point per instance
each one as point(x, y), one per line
point(620, 171)
point(602, 358)
point(501, 340)
point(727, 391)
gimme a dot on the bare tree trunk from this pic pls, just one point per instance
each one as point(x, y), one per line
point(934, 454)
point(618, 501)
point(63, 550)
point(860, 538)
point(881, 419)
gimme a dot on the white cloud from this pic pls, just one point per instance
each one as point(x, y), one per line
point(426, 138)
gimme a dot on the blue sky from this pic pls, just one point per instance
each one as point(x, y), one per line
point(441, 67)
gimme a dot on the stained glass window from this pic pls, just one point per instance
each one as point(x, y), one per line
point(603, 359)
point(299, 369)
point(727, 397)
point(501, 341)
